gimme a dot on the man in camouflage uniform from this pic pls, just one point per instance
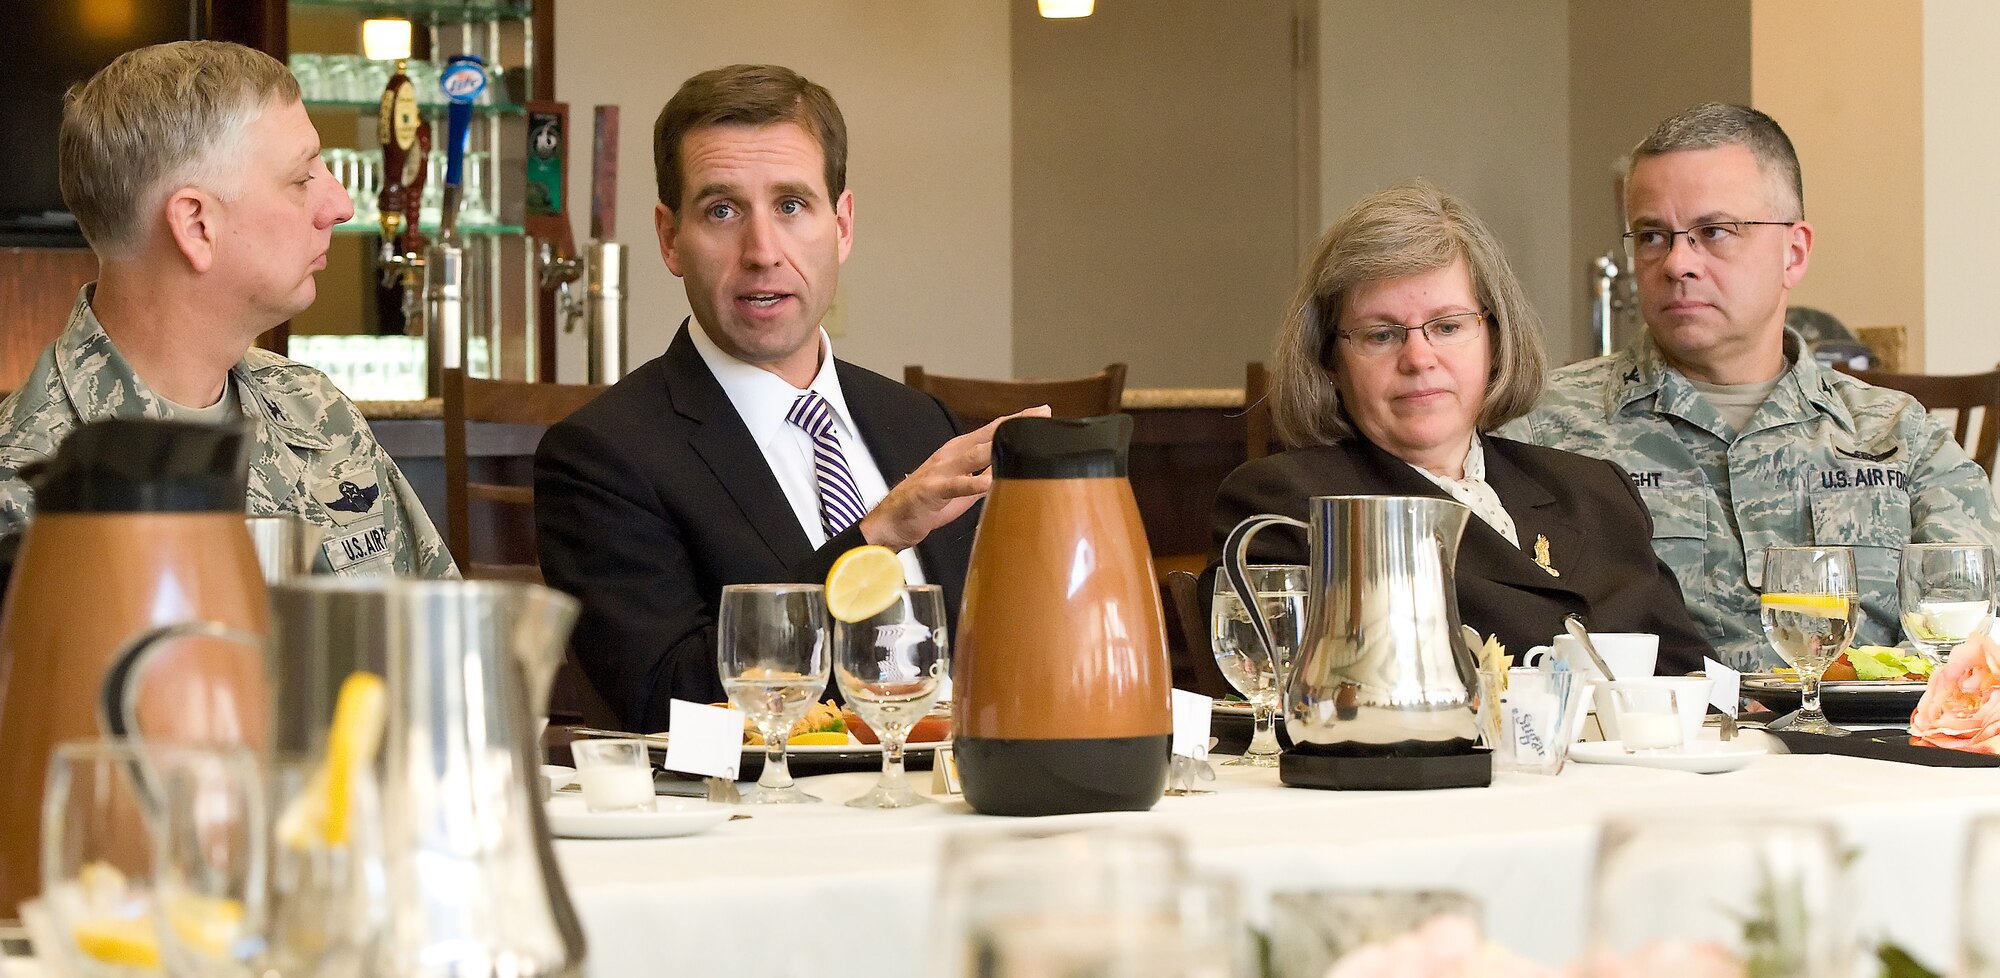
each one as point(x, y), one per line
point(1734, 436)
point(195, 174)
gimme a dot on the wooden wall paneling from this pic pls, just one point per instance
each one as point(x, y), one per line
point(37, 288)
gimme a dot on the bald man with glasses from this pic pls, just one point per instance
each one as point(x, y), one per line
point(1735, 438)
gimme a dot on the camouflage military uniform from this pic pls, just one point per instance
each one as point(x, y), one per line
point(314, 455)
point(1826, 460)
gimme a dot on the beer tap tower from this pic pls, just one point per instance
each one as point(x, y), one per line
point(590, 288)
point(463, 79)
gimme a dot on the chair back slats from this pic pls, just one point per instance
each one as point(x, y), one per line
point(469, 401)
point(975, 402)
point(1962, 394)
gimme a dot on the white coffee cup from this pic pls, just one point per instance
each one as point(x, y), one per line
point(1690, 699)
point(1631, 655)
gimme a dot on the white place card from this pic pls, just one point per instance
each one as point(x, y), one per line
point(1725, 688)
point(944, 773)
point(1192, 712)
point(704, 740)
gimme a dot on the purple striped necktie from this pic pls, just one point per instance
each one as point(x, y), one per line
point(839, 502)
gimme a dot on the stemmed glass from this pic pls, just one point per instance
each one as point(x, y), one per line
point(1979, 905)
point(889, 666)
point(1947, 594)
point(95, 914)
point(1281, 598)
point(1672, 897)
point(1809, 605)
point(771, 650)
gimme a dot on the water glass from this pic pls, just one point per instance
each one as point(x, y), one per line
point(328, 902)
point(474, 207)
point(771, 650)
point(616, 775)
point(210, 863)
point(97, 860)
point(1314, 931)
point(1528, 718)
point(1649, 718)
point(1717, 895)
point(1947, 594)
point(1810, 601)
point(1979, 904)
point(307, 69)
point(890, 667)
point(1281, 598)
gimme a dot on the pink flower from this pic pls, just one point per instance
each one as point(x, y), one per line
point(1444, 947)
point(1961, 706)
point(1662, 959)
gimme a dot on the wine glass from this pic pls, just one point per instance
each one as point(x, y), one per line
point(1281, 597)
point(1979, 904)
point(771, 651)
point(95, 914)
point(211, 838)
point(889, 666)
point(1809, 605)
point(1947, 594)
point(1740, 894)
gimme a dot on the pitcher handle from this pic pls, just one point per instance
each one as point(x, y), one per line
point(118, 696)
point(1235, 554)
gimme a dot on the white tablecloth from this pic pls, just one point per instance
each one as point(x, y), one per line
point(827, 891)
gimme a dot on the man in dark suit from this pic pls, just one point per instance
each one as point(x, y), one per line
point(746, 453)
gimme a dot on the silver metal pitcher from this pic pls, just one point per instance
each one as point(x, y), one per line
point(472, 875)
point(1381, 675)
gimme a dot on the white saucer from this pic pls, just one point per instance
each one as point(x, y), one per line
point(671, 816)
point(1706, 757)
point(559, 777)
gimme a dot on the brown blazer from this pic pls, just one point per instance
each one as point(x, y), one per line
point(1599, 533)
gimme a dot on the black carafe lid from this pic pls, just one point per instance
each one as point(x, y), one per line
point(1062, 448)
point(143, 465)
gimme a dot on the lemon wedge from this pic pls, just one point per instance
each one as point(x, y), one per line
point(320, 813)
point(118, 940)
point(819, 738)
point(863, 583)
point(210, 925)
point(1817, 605)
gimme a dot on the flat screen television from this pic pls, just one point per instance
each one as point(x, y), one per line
point(55, 44)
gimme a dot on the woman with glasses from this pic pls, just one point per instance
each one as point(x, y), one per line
point(1408, 340)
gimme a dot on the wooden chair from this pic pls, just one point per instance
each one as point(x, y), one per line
point(975, 402)
point(1259, 434)
point(1962, 394)
point(1194, 667)
point(469, 401)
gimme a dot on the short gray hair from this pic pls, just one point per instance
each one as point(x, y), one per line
point(1408, 229)
point(166, 114)
point(1713, 124)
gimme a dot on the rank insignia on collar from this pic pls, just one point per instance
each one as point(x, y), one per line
point(1632, 376)
point(1542, 555)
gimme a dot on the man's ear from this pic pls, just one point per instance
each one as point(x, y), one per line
point(843, 222)
point(663, 223)
point(1798, 253)
point(194, 224)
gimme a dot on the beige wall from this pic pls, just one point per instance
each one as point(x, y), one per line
point(924, 87)
point(1961, 208)
point(1154, 202)
point(1845, 79)
point(1428, 88)
point(1694, 51)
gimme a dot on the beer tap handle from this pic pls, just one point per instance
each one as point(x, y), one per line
point(463, 79)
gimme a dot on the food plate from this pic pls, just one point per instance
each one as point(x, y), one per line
point(1705, 757)
point(569, 818)
point(806, 760)
point(1851, 701)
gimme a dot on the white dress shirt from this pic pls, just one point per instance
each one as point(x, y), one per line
point(1474, 492)
point(762, 399)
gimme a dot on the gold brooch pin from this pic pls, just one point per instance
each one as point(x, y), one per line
point(1542, 555)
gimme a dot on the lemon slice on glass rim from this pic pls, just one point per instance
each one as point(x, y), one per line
point(1817, 605)
point(863, 583)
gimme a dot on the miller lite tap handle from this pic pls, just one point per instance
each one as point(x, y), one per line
point(463, 79)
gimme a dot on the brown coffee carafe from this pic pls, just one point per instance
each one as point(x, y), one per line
point(1061, 681)
point(138, 524)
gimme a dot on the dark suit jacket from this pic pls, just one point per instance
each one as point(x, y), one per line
point(654, 496)
point(1600, 537)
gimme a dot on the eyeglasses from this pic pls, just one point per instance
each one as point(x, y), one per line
point(1453, 330)
point(1719, 239)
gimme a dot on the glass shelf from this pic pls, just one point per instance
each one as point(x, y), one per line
point(430, 230)
point(434, 111)
point(433, 11)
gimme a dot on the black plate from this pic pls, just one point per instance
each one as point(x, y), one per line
point(1886, 701)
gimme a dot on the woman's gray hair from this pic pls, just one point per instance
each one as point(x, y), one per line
point(156, 119)
point(1408, 229)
